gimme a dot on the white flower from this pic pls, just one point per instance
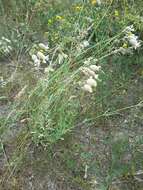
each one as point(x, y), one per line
point(89, 19)
point(37, 63)
point(134, 42)
point(96, 76)
point(121, 50)
point(99, 2)
point(129, 29)
point(84, 44)
point(132, 36)
point(40, 55)
point(88, 72)
point(87, 88)
point(44, 61)
point(48, 69)
point(47, 57)
point(88, 60)
point(95, 67)
point(36, 60)
point(91, 82)
point(43, 46)
point(61, 57)
point(85, 71)
point(34, 57)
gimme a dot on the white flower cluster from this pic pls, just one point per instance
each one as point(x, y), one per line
point(99, 2)
point(48, 70)
point(5, 46)
point(131, 37)
point(82, 45)
point(61, 57)
point(41, 56)
point(130, 42)
point(129, 29)
point(91, 82)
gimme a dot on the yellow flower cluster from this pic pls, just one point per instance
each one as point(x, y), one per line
point(116, 13)
point(58, 17)
point(125, 45)
point(78, 8)
point(93, 2)
point(50, 21)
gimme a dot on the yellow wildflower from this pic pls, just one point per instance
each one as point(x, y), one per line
point(116, 13)
point(41, 50)
point(50, 21)
point(125, 45)
point(58, 17)
point(93, 2)
point(129, 34)
point(78, 8)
